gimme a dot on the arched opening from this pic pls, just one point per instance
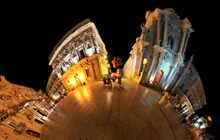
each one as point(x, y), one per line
point(158, 78)
point(170, 42)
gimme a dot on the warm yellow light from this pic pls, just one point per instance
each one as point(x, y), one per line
point(54, 97)
point(209, 118)
point(145, 61)
point(72, 81)
point(81, 76)
point(105, 56)
point(78, 96)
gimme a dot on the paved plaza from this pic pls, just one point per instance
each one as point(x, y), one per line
point(123, 112)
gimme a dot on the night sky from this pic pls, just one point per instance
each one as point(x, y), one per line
point(29, 31)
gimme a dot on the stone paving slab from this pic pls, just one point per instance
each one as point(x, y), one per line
point(125, 112)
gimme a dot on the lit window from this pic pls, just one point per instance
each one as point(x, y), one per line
point(81, 76)
point(97, 49)
point(55, 97)
point(74, 60)
point(64, 69)
point(58, 75)
point(72, 81)
point(89, 51)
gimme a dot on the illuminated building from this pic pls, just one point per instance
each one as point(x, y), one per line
point(22, 110)
point(78, 57)
point(158, 59)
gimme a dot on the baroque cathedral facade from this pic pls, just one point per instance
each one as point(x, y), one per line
point(158, 60)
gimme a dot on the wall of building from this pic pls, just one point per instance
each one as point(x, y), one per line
point(74, 52)
point(163, 42)
point(162, 45)
point(19, 110)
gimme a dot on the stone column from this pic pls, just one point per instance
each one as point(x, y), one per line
point(165, 28)
point(165, 81)
point(158, 30)
point(171, 78)
point(182, 75)
point(151, 63)
point(186, 41)
point(158, 64)
point(184, 25)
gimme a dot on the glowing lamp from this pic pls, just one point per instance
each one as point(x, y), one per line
point(54, 97)
point(209, 118)
point(145, 61)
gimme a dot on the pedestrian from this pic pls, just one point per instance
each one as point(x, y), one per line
point(119, 80)
point(172, 100)
point(114, 77)
point(110, 81)
point(163, 98)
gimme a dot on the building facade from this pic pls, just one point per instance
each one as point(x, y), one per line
point(162, 44)
point(157, 59)
point(78, 57)
point(22, 111)
point(192, 92)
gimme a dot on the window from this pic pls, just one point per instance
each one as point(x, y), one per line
point(38, 121)
point(89, 51)
point(81, 53)
point(38, 111)
point(14, 125)
point(89, 46)
point(33, 133)
point(170, 42)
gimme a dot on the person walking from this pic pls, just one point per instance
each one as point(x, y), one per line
point(172, 100)
point(119, 80)
point(163, 98)
point(110, 81)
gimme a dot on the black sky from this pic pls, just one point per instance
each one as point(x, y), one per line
point(29, 31)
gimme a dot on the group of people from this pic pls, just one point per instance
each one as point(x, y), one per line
point(109, 79)
point(169, 101)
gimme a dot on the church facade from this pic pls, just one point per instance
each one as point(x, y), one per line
point(158, 60)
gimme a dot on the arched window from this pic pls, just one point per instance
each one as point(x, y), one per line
point(170, 42)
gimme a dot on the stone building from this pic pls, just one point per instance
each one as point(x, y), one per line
point(22, 111)
point(158, 60)
point(192, 92)
point(78, 57)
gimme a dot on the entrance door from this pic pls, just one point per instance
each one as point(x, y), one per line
point(158, 78)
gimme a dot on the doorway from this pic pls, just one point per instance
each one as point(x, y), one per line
point(158, 78)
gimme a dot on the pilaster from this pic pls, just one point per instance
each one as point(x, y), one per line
point(182, 75)
point(152, 63)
